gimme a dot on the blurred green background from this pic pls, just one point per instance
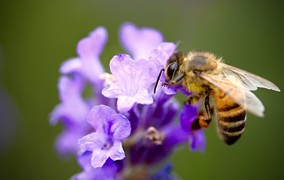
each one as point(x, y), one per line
point(37, 36)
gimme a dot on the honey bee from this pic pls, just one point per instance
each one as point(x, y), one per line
point(220, 90)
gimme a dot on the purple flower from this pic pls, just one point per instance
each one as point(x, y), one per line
point(164, 173)
point(161, 133)
point(88, 63)
point(146, 128)
point(110, 130)
point(159, 114)
point(188, 116)
point(72, 113)
point(133, 80)
point(161, 54)
point(73, 108)
point(139, 42)
point(152, 153)
point(67, 141)
point(107, 172)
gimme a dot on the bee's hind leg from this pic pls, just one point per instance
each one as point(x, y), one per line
point(204, 116)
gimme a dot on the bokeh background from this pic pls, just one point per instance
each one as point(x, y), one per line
point(37, 36)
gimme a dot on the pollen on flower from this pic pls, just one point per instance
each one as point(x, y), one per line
point(108, 79)
point(155, 136)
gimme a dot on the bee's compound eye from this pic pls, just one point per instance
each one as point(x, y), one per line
point(172, 69)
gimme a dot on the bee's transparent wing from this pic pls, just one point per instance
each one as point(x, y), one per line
point(238, 92)
point(249, 81)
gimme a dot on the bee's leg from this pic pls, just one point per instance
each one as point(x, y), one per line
point(174, 81)
point(207, 107)
point(193, 99)
point(204, 116)
point(202, 121)
point(177, 79)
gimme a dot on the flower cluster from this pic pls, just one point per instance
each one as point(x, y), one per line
point(114, 123)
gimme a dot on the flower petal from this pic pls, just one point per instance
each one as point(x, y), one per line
point(71, 65)
point(84, 159)
point(98, 115)
point(112, 91)
point(125, 103)
point(169, 90)
point(143, 97)
point(121, 66)
point(187, 116)
point(87, 143)
point(198, 141)
point(139, 42)
point(162, 53)
point(89, 50)
point(73, 107)
point(66, 142)
point(144, 72)
point(116, 152)
point(70, 87)
point(133, 79)
point(93, 45)
point(99, 158)
point(107, 172)
point(120, 128)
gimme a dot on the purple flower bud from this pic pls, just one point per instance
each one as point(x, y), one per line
point(164, 173)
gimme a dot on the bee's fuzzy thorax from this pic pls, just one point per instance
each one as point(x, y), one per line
point(194, 87)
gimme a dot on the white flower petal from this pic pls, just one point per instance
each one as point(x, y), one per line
point(125, 103)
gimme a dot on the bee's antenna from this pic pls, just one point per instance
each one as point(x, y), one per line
point(156, 85)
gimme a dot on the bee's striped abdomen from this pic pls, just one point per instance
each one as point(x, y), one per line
point(231, 118)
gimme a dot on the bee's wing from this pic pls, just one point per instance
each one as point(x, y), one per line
point(249, 81)
point(238, 92)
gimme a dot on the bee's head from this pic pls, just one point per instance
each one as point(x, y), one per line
point(172, 73)
point(173, 66)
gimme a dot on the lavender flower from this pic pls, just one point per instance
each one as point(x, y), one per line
point(72, 113)
point(77, 74)
point(164, 173)
point(187, 117)
point(110, 130)
point(88, 63)
point(132, 82)
point(139, 42)
point(108, 171)
point(70, 90)
point(121, 130)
